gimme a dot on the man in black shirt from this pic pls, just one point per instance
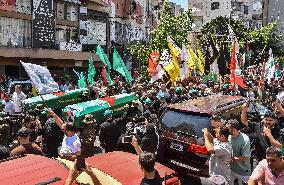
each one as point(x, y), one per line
point(110, 131)
point(52, 137)
point(261, 142)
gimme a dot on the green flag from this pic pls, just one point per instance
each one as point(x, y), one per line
point(120, 67)
point(91, 70)
point(82, 81)
point(101, 54)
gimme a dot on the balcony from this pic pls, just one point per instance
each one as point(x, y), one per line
point(39, 53)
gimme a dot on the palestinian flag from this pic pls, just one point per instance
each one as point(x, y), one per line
point(56, 100)
point(97, 107)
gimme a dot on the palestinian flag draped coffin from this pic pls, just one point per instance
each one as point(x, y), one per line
point(97, 107)
point(56, 100)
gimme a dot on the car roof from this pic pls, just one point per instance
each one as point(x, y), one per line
point(113, 167)
point(124, 166)
point(31, 169)
point(213, 104)
point(118, 167)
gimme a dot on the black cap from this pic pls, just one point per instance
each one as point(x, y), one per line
point(23, 132)
point(269, 114)
point(216, 118)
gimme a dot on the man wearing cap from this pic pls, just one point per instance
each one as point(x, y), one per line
point(164, 91)
point(148, 109)
point(110, 131)
point(26, 147)
point(261, 141)
point(178, 97)
point(163, 105)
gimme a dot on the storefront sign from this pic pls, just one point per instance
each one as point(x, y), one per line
point(96, 32)
point(69, 46)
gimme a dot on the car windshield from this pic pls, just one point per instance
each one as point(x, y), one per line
point(186, 123)
point(257, 107)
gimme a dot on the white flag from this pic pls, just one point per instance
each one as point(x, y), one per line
point(41, 78)
point(214, 67)
point(234, 38)
point(159, 72)
point(165, 58)
point(269, 67)
point(183, 62)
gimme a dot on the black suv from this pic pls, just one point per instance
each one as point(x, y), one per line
point(182, 125)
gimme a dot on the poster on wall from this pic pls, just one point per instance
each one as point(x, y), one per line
point(96, 32)
point(43, 24)
point(9, 5)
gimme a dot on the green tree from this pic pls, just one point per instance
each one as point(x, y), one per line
point(261, 40)
point(177, 27)
point(218, 28)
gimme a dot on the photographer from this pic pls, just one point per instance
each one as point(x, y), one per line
point(26, 147)
point(261, 141)
point(35, 129)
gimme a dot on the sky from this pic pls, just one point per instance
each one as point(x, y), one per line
point(183, 3)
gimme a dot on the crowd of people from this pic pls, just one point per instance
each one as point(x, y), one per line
point(236, 155)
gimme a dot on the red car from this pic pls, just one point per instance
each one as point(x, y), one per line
point(114, 168)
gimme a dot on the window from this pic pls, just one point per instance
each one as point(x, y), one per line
point(23, 6)
point(191, 124)
point(65, 34)
point(246, 10)
point(60, 11)
point(67, 11)
point(215, 5)
point(15, 32)
point(237, 6)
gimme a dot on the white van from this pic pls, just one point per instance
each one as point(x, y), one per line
point(26, 86)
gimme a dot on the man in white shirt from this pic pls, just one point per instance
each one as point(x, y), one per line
point(221, 152)
point(18, 97)
point(71, 145)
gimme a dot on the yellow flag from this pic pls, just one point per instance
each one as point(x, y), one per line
point(195, 61)
point(34, 92)
point(174, 49)
point(191, 60)
point(201, 57)
point(173, 69)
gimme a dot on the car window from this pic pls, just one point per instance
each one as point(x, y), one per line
point(190, 124)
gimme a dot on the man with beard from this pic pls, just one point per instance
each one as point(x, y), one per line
point(261, 141)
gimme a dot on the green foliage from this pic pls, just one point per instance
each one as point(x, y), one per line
point(261, 40)
point(177, 27)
